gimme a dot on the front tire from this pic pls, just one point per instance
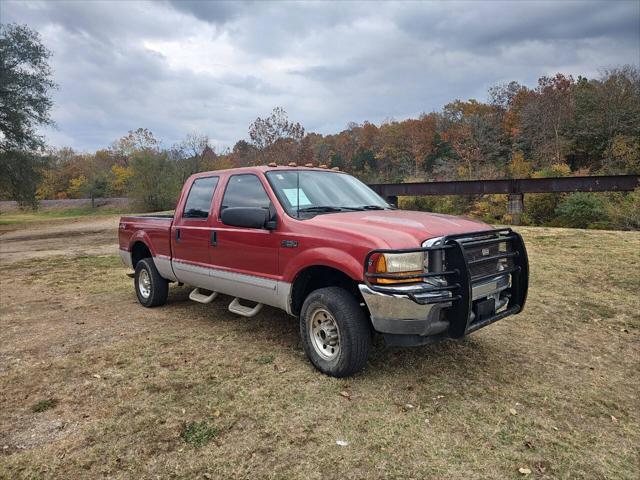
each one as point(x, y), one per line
point(335, 332)
point(152, 290)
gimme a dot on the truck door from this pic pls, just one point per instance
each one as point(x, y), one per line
point(246, 259)
point(192, 234)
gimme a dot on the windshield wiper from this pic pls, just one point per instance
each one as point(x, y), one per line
point(320, 208)
point(371, 207)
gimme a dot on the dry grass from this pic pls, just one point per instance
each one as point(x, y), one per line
point(192, 391)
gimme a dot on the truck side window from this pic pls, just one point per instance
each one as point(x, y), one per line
point(199, 200)
point(245, 191)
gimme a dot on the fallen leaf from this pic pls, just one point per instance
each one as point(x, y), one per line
point(95, 375)
point(528, 444)
point(342, 443)
point(216, 413)
point(409, 406)
point(524, 470)
point(345, 395)
point(614, 419)
point(555, 428)
point(512, 411)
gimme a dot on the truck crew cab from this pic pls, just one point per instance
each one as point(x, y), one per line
point(323, 247)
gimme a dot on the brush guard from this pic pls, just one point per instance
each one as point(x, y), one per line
point(461, 262)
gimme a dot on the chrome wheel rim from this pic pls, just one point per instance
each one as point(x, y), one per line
point(144, 283)
point(324, 334)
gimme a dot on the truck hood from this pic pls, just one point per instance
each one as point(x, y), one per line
point(397, 228)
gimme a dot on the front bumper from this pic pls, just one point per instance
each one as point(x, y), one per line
point(462, 302)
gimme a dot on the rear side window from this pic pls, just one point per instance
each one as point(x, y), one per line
point(245, 191)
point(199, 199)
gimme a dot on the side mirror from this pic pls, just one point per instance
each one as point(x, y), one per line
point(248, 217)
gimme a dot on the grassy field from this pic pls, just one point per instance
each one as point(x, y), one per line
point(45, 215)
point(93, 385)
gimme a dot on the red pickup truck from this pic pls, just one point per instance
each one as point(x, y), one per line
point(322, 246)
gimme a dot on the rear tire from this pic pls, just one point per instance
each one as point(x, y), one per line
point(335, 332)
point(152, 290)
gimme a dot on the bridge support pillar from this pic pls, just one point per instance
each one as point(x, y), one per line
point(515, 207)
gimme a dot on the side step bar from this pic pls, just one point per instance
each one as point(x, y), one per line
point(200, 297)
point(237, 308)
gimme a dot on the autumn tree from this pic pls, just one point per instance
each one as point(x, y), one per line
point(275, 137)
point(546, 118)
point(606, 127)
point(135, 141)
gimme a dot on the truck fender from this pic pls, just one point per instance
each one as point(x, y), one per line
point(142, 236)
point(324, 256)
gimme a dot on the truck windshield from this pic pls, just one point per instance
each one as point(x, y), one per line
point(311, 192)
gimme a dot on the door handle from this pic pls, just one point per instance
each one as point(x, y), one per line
point(177, 234)
point(214, 238)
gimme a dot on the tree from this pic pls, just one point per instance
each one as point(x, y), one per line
point(135, 141)
point(606, 125)
point(194, 154)
point(25, 79)
point(119, 178)
point(275, 136)
point(20, 174)
point(547, 116)
point(25, 104)
point(154, 185)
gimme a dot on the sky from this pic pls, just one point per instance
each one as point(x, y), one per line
point(183, 67)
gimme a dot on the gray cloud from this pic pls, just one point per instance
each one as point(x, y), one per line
point(177, 67)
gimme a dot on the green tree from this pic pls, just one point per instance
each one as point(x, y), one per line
point(20, 176)
point(154, 185)
point(97, 186)
point(25, 104)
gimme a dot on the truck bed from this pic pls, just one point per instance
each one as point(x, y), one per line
point(155, 229)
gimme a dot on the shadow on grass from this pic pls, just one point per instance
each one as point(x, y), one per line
point(472, 359)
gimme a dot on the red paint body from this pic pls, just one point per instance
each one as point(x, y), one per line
point(338, 240)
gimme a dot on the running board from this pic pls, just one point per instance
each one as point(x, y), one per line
point(237, 308)
point(196, 296)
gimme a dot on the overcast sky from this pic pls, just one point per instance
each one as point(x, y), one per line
point(179, 67)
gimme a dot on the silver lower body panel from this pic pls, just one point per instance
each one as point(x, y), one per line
point(125, 256)
point(249, 287)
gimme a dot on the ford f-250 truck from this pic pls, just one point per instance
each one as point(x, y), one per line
point(325, 248)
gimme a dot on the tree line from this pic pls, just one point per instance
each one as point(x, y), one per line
point(560, 126)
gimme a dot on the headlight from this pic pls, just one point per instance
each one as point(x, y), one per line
point(400, 264)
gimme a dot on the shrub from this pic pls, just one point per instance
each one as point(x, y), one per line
point(581, 210)
point(540, 208)
point(624, 210)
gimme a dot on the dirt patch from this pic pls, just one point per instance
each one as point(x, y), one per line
point(64, 237)
point(192, 391)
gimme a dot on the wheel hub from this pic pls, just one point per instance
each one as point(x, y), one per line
point(144, 283)
point(324, 334)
